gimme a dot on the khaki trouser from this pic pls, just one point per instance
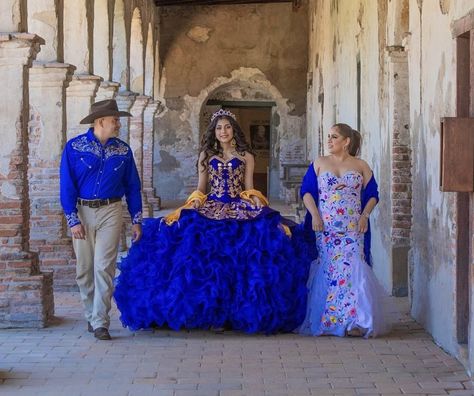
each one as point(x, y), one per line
point(96, 260)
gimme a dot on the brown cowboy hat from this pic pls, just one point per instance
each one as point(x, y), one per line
point(104, 108)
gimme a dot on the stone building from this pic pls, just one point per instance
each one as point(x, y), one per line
point(391, 68)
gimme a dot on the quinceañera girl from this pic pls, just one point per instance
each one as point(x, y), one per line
point(224, 258)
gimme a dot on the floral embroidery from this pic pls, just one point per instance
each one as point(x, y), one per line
point(138, 218)
point(84, 145)
point(339, 243)
point(116, 148)
point(72, 219)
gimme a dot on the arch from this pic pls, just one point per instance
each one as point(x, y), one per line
point(101, 39)
point(76, 30)
point(136, 53)
point(149, 62)
point(119, 47)
point(251, 85)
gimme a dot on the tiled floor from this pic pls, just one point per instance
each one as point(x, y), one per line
point(66, 360)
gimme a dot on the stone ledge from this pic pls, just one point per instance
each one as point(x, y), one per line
point(31, 37)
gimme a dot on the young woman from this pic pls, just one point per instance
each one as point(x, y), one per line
point(340, 192)
point(224, 258)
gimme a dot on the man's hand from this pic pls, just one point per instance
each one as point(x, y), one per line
point(78, 231)
point(136, 232)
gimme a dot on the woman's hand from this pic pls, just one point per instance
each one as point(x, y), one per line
point(196, 203)
point(256, 201)
point(363, 225)
point(317, 223)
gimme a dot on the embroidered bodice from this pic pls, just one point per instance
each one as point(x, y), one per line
point(226, 178)
point(339, 200)
point(227, 181)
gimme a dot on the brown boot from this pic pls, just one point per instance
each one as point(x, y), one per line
point(101, 333)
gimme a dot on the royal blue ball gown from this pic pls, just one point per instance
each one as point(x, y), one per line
point(228, 263)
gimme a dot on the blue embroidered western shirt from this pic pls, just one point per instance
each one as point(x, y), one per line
point(90, 170)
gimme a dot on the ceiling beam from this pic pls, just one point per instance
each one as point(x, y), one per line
point(161, 3)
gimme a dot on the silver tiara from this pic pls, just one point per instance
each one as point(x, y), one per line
point(222, 112)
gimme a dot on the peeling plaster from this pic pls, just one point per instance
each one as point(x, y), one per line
point(8, 190)
point(178, 130)
point(199, 34)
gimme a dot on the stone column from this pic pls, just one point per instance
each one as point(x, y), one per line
point(401, 182)
point(125, 100)
point(136, 142)
point(47, 132)
point(79, 97)
point(148, 138)
point(107, 90)
point(26, 294)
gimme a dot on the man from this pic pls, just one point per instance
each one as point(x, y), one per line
point(97, 170)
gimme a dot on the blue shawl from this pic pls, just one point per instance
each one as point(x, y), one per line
point(310, 185)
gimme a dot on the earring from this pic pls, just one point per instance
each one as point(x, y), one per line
point(215, 146)
point(345, 148)
point(233, 143)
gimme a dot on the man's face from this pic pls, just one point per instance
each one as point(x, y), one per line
point(110, 125)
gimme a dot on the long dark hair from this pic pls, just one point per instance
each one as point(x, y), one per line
point(354, 136)
point(210, 146)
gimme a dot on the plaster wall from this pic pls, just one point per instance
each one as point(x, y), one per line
point(247, 53)
point(432, 62)
point(339, 32)
point(343, 34)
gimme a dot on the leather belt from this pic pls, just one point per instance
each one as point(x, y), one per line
point(97, 203)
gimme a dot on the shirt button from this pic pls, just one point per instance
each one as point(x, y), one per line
point(98, 183)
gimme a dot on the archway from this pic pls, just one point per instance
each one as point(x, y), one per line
point(249, 90)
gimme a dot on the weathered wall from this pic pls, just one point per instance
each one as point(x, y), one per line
point(407, 83)
point(432, 63)
point(341, 34)
point(246, 53)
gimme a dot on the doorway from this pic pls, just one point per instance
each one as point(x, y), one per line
point(255, 120)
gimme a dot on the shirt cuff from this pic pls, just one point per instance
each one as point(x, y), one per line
point(138, 218)
point(72, 219)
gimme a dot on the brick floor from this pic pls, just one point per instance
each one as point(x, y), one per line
point(66, 360)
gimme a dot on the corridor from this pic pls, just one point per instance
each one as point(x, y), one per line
point(64, 359)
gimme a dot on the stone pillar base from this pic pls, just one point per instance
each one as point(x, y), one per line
point(26, 301)
point(58, 257)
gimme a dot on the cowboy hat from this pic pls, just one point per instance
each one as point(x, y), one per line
point(104, 108)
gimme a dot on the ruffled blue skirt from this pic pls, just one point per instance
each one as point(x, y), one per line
point(202, 273)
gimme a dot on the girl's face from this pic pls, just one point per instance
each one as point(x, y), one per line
point(224, 131)
point(336, 142)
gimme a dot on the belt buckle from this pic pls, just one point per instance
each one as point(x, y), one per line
point(94, 204)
